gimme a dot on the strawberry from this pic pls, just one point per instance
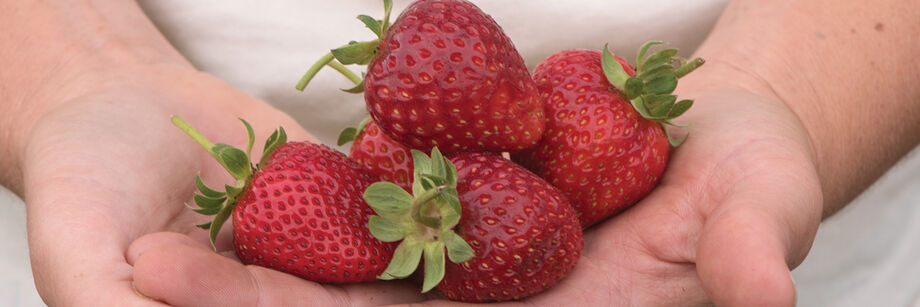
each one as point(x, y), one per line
point(508, 233)
point(300, 211)
point(605, 145)
point(379, 154)
point(445, 74)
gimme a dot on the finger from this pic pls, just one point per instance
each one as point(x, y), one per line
point(184, 275)
point(85, 272)
point(761, 230)
point(154, 240)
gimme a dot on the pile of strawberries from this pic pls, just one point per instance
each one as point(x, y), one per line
point(426, 182)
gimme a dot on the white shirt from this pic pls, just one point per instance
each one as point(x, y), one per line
point(265, 48)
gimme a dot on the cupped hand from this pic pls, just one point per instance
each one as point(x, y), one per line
point(737, 208)
point(106, 179)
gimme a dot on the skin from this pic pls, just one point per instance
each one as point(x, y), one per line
point(789, 125)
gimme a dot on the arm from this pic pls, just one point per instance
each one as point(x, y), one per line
point(825, 98)
point(56, 51)
point(848, 70)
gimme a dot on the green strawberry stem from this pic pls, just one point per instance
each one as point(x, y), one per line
point(650, 90)
point(237, 163)
point(327, 60)
point(346, 72)
point(423, 223)
point(228, 157)
point(194, 134)
point(308, 76)
point(685, 69)
point(423, 209)
point(359, 53)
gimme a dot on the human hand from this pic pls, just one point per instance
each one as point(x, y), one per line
point(737, 208)
point(106, 177)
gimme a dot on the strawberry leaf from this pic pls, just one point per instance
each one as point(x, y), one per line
point(387, 9)
point(649, 73)
point(205, 190)
point(450, 216)
point(207, 211)
point(660, 57)
point(422, 164)
point(387, 230)
point(675, 142)
point(252, 139)
point(451, 176)
point(679, 108)
point(661, 85)
point(388, 199)
point(347, 136)
point(356, 53)
point(438, 164)
point(275, 140)
point(634, 88)
point(234, 160)
point(432, 181)
point(359, 88)
point(353, 53)
point(457, 249)
point(233, 190)
point(405, 260)
point(640, 57)
point(659, 105)
point(372, 24)
point(209, 202)
point(434, 265)
point(218, 222)
point(427, 228)
point(237, 162)
point(658, 77)
point(350, 134)
point(614, 72)
point(639, 105)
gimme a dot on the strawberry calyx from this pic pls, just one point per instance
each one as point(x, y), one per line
point(650, 89)
point(423, 222)
point(238, 163)
point(359, 53)
point(349, 134)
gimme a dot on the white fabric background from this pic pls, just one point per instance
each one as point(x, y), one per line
point(867, 255)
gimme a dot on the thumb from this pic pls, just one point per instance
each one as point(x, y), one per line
point(180, 271)
point(761, 230)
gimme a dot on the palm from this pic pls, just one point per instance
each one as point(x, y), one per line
point(734, 196)
point(109, 169)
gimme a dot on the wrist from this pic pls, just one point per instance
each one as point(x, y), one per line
point(19, 117)
point(59, 51)
point(850, 81)
point(740, 99)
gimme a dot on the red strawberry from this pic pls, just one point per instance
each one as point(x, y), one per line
point(444, 74)
point(508, 233)
point(379, 154)
point(605, 146)
point(300, 211)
